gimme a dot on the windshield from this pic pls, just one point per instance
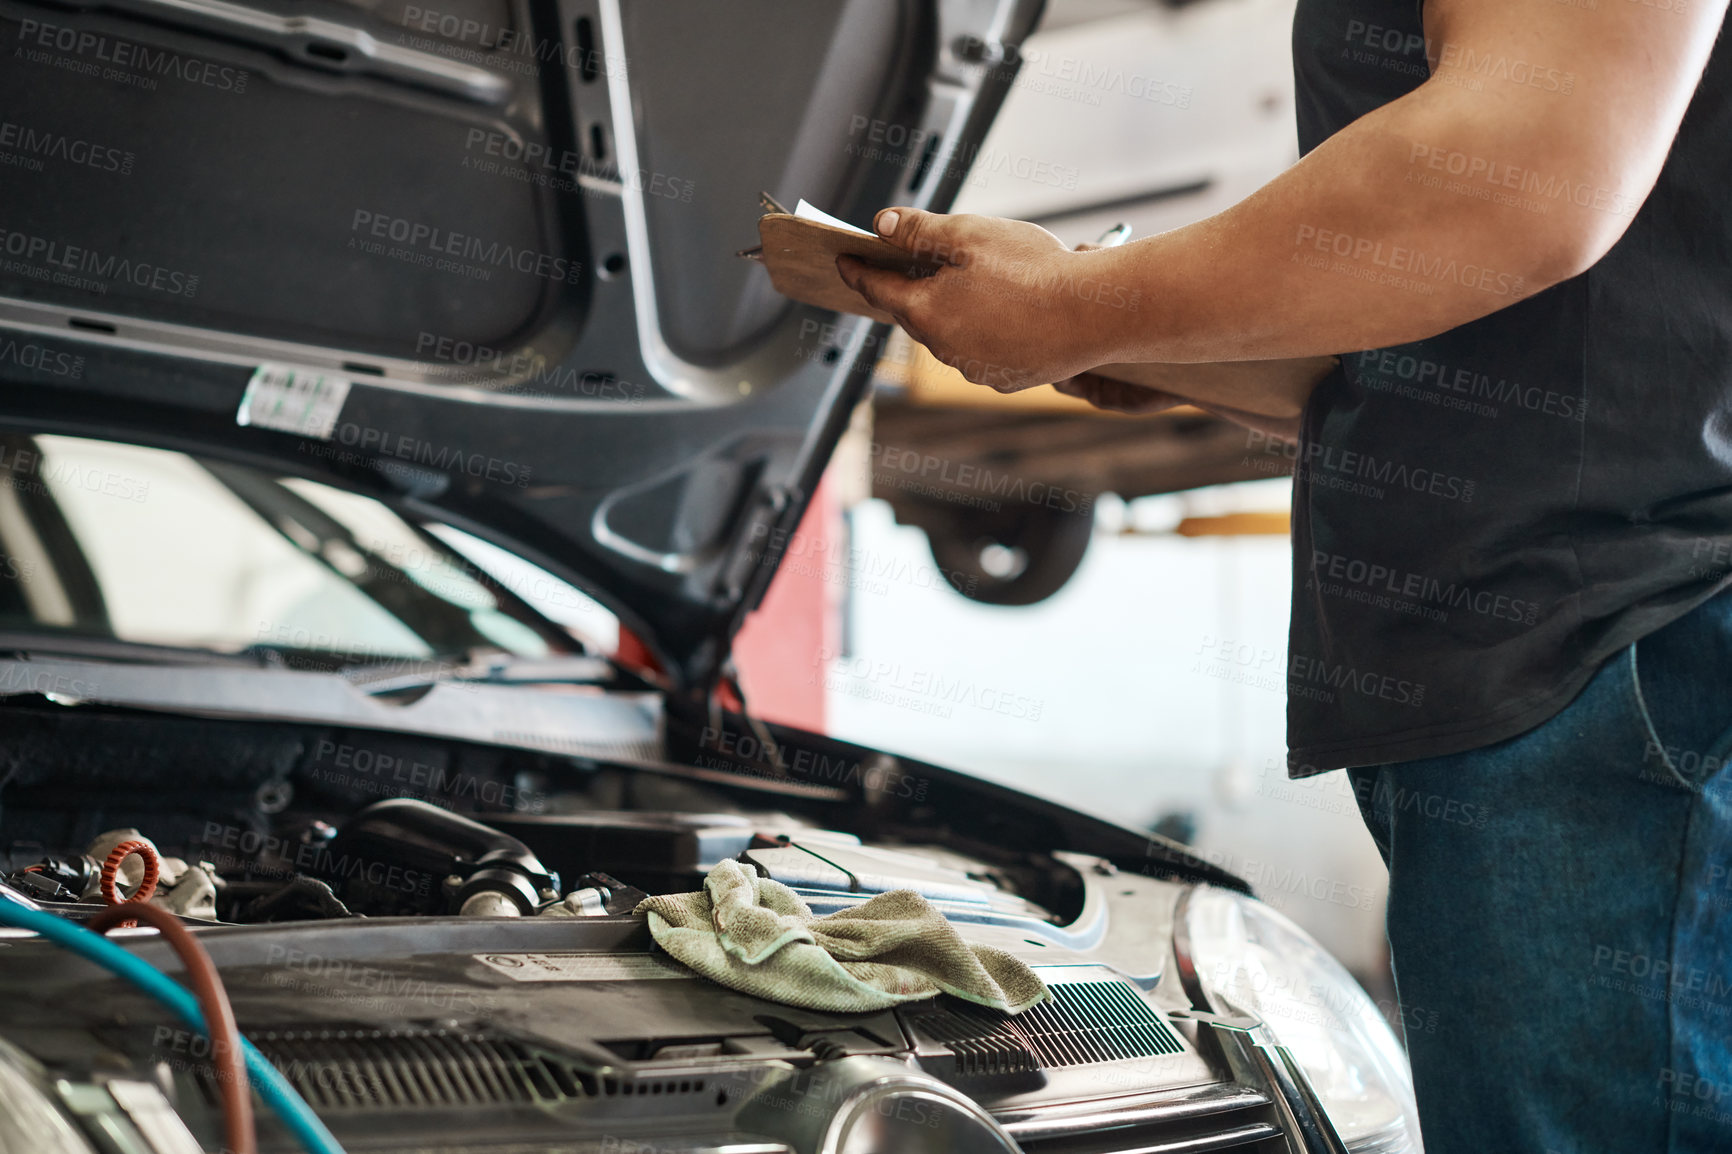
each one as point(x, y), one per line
point(99, 539)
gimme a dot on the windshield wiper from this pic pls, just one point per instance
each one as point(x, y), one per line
point(44, 641)
point(380, 678)
point(446, 626)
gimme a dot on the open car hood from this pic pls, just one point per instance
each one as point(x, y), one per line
point(478, 258)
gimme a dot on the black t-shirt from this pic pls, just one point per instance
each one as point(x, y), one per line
point(1482, 518)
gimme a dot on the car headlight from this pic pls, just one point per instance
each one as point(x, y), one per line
point(1249, 959)
point(30, 1122)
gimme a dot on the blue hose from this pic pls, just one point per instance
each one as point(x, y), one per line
point(273, 1088)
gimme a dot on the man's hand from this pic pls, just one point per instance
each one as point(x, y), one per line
point(1116, 396)
point(1009, 307)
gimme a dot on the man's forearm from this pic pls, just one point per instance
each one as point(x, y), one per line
point(1352, 248)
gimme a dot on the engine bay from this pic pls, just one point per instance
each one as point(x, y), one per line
point(298, 825)
point(406, 857)
point(434, 941)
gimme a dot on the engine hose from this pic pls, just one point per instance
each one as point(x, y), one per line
point(227, 1057)
point(109, 878)
point(273, 1089)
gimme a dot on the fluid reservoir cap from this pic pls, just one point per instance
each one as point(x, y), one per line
point(489, 904)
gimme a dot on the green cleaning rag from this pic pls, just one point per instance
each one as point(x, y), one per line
point(755, 935)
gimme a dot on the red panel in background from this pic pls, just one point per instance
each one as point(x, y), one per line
point(633, 652)
point(782, 652)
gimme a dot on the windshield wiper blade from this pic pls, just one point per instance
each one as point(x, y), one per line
point(47, 643)
point(379, 678)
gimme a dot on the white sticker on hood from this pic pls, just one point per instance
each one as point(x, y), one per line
point(583, 967)
point(293, 400)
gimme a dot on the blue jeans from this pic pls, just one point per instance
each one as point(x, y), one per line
point(1560, 914)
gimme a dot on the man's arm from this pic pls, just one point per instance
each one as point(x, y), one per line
point(1379, 236)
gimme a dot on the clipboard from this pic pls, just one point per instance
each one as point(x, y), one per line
point(801, 254)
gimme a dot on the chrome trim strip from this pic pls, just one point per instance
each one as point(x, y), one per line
point(1183, 955)
point(1309, 1116)
point(1256, 1057)
point(1230, 1139)
point(1032, 1123)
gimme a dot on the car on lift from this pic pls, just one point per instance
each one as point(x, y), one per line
point(351, 356)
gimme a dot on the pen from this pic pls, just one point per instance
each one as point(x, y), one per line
point(1114, 236)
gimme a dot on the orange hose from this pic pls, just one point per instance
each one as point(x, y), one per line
point(239, 1136)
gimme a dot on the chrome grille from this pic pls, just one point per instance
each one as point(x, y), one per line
point(1088, 1022)
point(983, 1046)
point(1084, 1023)
point(1198, 1120)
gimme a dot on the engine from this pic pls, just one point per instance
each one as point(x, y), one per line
point(404, 857)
